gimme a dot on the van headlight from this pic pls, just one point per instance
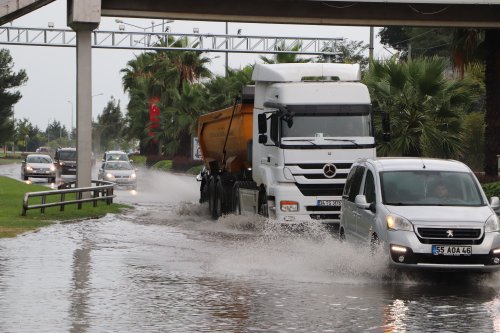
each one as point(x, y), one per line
point(28, 168)
point(492, 224)
point(110, 176)
point(395, 222)
point(52, 168)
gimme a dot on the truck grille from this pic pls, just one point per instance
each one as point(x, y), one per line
point(321, 165)
point(324, 212)
point(320, 189)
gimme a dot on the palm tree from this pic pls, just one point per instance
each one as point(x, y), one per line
point(282, 58)
point(424, 106)
point(470, 46)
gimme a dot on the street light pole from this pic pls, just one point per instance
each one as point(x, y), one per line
point(227, 54)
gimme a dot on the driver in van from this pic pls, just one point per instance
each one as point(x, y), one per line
point(441, 191)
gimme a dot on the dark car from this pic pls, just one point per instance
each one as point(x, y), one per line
point(65, 160)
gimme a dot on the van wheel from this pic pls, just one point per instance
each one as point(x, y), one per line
point(374, 243)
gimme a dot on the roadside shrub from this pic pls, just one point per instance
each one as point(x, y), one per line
point(138, 160)
point(195, 170)
point(491, 189)
point(165, 165)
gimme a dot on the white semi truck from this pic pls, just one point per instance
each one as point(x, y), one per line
point(285, 149)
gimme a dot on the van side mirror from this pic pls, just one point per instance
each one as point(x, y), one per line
point(263, 139)
point(262, 123)
point(386, 127)
point(495, 203)
point(360, 202)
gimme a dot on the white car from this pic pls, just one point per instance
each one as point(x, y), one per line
point(425, 213)
point(119, 172)
point(38, 166)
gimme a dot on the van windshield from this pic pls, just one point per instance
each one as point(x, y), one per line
point(430, 188)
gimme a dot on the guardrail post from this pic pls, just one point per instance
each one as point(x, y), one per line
point(79, 197)
point(63, 196)
point(44, 199)
point(94, 195)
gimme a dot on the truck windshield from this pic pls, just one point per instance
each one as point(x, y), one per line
point(329, 121)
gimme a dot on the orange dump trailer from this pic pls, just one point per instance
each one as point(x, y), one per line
point(225, 138)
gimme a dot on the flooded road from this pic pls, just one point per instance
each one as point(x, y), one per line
point(166, 267)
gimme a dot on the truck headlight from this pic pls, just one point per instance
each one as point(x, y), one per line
point(289, 206)
point(395, 222)
point(492, 224)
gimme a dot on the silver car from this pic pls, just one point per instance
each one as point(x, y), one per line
point(38, 166)
point(424, 213)
point(119, 172)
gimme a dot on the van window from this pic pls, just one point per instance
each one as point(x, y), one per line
point(356, 181)
point(430, 188)
point(369, 187)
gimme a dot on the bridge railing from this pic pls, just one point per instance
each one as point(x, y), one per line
point(102, 191)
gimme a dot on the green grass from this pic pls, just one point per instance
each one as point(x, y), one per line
point(4, 160)
point(138, 160)
point(11, 202)
point(195, 170)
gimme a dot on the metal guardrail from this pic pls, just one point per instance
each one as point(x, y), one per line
point(102, 191)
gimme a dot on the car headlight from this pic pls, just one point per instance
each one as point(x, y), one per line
point(492, 224)
point(28, 168)
point(395, 222)
point(133, 176)
point(52, 168)
point(109, 176)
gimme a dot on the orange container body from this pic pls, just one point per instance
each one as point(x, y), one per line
point(212, 130)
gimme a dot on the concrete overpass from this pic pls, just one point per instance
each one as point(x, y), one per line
point(84, 16)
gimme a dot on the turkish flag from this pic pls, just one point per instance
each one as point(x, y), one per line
point(154, 115)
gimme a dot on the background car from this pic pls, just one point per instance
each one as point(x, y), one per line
point(38, 166)
point(115, 155)
point(120, 172)
point(65, 159)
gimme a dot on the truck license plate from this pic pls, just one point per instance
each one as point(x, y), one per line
point(445, 250)
point(333, 203)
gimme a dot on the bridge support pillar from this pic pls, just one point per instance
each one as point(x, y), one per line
point(84, 16)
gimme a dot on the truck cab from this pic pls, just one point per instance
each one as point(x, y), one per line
point(310, 133)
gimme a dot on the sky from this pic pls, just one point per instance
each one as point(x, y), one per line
point(50, 93)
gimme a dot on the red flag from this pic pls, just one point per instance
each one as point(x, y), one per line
point(154, 115)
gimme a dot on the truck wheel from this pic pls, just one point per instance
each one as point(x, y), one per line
point(219, 199)
point(236, 208)
point(211, 196)
point(263, 206)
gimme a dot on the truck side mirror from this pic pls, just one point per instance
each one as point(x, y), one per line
point(263, 139)
point(262, 122)
point(386, 127)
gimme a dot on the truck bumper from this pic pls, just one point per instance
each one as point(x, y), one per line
point(311, 209)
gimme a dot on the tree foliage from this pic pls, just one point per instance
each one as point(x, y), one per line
point(425, 106)
point(9, 80)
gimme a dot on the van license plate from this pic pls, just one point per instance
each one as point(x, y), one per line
point(445, 250)
point(333, 203)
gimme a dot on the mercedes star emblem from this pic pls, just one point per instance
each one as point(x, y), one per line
point(329, 170)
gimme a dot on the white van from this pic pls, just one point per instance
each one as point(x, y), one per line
point(426, 213)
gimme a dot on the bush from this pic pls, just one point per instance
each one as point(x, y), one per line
point(138, 160)
point(491, 189)
point(165, 165)
point(195, 170)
